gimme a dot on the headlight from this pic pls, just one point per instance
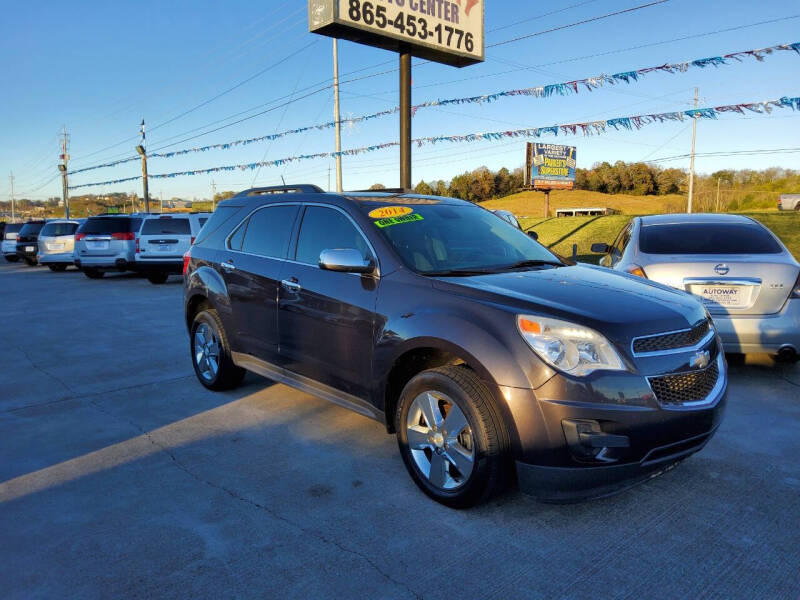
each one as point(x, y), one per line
point(568, 347)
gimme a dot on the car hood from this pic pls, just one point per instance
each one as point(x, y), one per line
point(620, 306)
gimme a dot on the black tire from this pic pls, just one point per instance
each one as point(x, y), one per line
point(57, 268)
point(786, 358)
point(11, 258)
point(30, 262)
point(93, 273)
point(491, 466)
point(157, 278)
point(228, 375)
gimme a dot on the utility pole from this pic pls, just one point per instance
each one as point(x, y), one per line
point(63, 168)
point(213, 196)
point(161, 197)
point(141, 150)
point(13, 209)
point(717, 194)
point(337, 115)
point(691, 161)
point(329, 177)
point(405, 118)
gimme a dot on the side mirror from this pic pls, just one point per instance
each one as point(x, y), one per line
point(345, 260)
point(533, 235)
point(600, 248)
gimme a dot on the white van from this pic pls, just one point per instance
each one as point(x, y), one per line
point(162, 242)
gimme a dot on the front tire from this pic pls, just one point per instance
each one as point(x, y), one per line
point(452, 441)
point(211, 353)
point(93, 273)
point(157, 278)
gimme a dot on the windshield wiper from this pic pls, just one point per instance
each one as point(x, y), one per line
point(530, 263)
point(459, 272)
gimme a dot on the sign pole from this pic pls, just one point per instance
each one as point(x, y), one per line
point(546, 203)
point(405, 118)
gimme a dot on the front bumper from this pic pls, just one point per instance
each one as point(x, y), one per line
point(576, 440)
point(761, 333)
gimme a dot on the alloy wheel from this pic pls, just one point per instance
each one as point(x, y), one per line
point(440, 440)
point(206, 351)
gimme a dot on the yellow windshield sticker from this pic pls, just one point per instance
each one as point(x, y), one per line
point(386, 212)
point(398, 220)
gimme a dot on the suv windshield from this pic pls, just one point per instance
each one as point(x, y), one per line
point(162, 226)
point(31, 228)
point(707, 238)
point(107, 225)
point(450, 239)
point(56, 229)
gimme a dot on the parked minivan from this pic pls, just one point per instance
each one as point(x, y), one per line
point(162, 242)
point(57, 244)
point(106, 243)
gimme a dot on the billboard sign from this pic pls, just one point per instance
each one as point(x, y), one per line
point(444, 31)
point(551, 167)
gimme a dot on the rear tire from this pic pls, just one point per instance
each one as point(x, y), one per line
point(12, 258)
point(30, 262)
point(57, 268)
point(469, 463)
point(211, 353)
point(93, 273)
point(157, 278)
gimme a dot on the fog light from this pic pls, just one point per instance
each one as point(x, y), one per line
point(587, 440)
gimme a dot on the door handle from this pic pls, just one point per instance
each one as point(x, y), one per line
point(228, 266)
point(291, 284)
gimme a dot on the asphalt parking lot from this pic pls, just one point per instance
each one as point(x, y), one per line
point(122, 477)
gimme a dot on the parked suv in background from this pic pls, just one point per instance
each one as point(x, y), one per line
point(460, 333)
point(106, 243)
point(57, 244)
point(162, 242)
point(9, 244)
point(28, 241)
point(746, 277)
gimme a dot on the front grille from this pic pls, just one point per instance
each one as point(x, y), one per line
point(684, 388)
point(671, 341)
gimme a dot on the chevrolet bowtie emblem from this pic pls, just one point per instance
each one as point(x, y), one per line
point(700, 359)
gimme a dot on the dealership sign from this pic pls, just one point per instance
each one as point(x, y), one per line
point(445, 31)
point(551, 167)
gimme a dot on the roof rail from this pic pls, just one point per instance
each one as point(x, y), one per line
point(302, 188)
point(383, 191)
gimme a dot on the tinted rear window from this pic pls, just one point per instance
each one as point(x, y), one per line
point(12, 228)
point(54, 229)
point(31, 228)
point(707, 238)
point(165, 227)
point(101, 225)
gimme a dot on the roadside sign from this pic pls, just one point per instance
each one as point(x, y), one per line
point(550, 166)
point(444, 31)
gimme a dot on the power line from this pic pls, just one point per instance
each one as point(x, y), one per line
point(583, 22)
point(723, 153)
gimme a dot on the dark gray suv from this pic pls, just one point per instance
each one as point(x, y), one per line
point(488, 356)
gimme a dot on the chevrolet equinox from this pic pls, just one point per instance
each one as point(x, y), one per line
point(490, 358)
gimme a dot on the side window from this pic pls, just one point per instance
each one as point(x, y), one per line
point(622, 240)
point(327, 229)
point(268, 231)
point(237, 238)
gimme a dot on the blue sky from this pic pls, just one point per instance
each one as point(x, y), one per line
point(100, 67)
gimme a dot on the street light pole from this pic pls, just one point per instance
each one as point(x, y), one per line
point(141, 150)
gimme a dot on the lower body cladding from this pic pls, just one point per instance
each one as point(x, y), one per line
point(578, 441)
point(761, 333)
